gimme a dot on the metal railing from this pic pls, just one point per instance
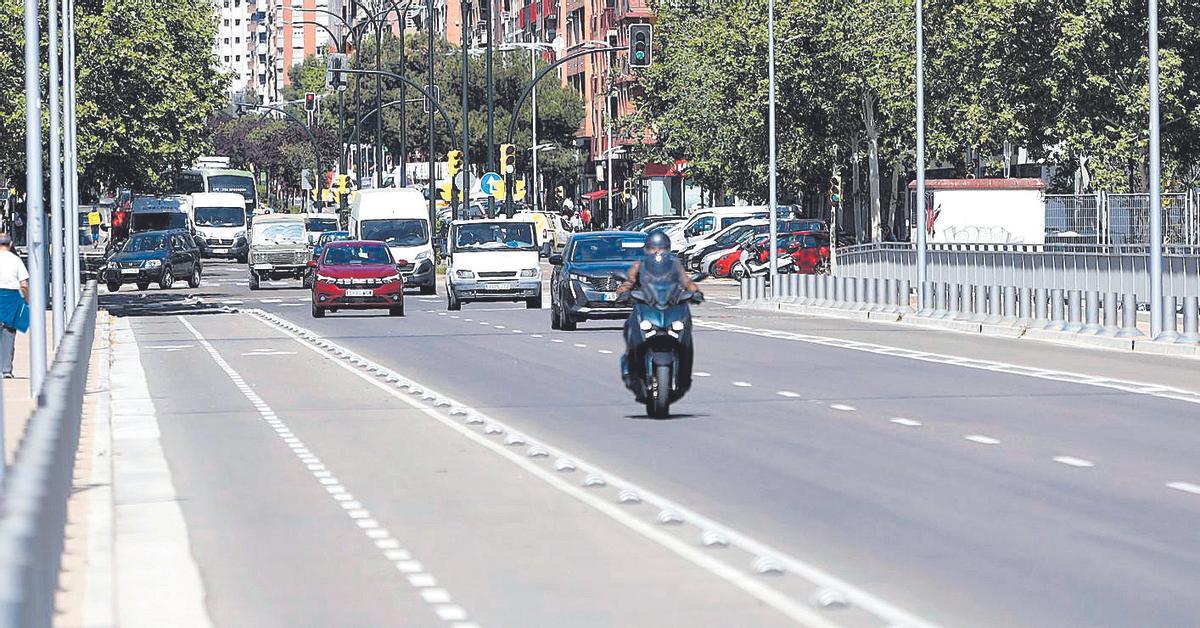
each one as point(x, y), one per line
point(1100, 286)
point(33, 508)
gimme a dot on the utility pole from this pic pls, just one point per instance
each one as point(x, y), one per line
point(379, 102)
point(34, 210)
point(491, 101)
point(922, 268)
point(403, 97)
point(466, 127)
point(72, 174)
point(771, 142)
point(1157, 311)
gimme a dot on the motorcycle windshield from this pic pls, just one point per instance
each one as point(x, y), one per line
point(660, 280)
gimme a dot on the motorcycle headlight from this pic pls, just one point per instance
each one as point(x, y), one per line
point(646, 325)
point(151, 263)
point(422, 255)
point(677, 326)
point(529, 272)
point(464, 274)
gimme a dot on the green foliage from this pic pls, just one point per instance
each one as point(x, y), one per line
point(147, 83)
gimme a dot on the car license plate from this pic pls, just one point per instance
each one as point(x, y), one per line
point(608, 296)
point(221, 250)
point(129, 271)
point(497, 286)
point(360, 292)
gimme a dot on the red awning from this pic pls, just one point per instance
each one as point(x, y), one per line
point(593, 195)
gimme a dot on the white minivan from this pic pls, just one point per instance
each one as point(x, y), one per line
point(220, 219)
point(708, 221)
point(398, 217)
point(493, 260)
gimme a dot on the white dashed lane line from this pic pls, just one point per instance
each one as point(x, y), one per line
point(1072, 461)
point(982, 440)
point(841, 407)
point(383, 540)
point(604, 351)
point(701, 374)
point(905, 422)
point(742, 384)
point(1186, 487)
point(788, 394)
point(580, 345)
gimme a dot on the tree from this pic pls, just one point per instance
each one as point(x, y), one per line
point(147, 83)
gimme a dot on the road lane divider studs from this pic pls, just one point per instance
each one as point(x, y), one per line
point(514, 439)
point(668, 517)
point(768, 566)
point(593, 492)
point(830, 599)
point(702, 374)
point(458, 411)
point(982, 440)
point(379, 536)
point(537, 451)
point(629, 496)
point(788, 394)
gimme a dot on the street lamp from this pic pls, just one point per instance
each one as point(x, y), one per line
point(534, 48)
point(771, 145)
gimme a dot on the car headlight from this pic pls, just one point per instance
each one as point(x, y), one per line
point(529, 272)
point(240, 234)
point(646, 325)
point(390, 278)
point(151, 263)
point(464, 274)
point(422, 255)
point(575, 277)
point(326, 279)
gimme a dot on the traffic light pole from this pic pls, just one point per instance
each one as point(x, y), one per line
point(466, 127)
point(771, 146)
point(432, 173)
point(491, 104)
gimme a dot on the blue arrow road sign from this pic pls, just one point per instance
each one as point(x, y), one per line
point(487, 183)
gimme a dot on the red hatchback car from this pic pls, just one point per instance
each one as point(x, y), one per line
point(357, 275)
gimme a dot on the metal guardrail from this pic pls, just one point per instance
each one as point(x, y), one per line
point(33, 508)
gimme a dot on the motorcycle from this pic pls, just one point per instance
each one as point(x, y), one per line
point(657, 365)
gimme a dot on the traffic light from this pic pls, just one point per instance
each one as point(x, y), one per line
point(310, 102)
point(627, 188)
point(454, 162)
point(639, 45)
point(334, 77)
point(508, 159)
point(835, 190)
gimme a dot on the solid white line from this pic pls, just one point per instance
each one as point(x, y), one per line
point(401, 559)
point(905, 422)
point(842, 407)
point(982, 440)
point(1186, 487)
point(1074, 462)
point(735, 575)
point(151, 552)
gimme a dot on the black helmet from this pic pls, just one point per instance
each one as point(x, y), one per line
point(657, 241)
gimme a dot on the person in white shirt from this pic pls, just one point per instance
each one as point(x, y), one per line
point(14, 293)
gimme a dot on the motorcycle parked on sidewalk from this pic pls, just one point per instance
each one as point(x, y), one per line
point(657, 365)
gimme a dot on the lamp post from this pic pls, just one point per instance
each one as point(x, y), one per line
point(922, 265)
point(534, 48)
point(465, 7)
point(1157, 311)
point(771, 143)
point(57, 289)
point(34, 210)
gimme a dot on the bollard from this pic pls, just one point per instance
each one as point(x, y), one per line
point(822, 294)
point(744, 290)
point(941, 300)
point(995, 306)
point(1091, 313)
point(794, 288)
point(1025, 305)
point(887, 304)
point(962, 302)
point(844, 296)
point(1170, 321)
point(1041, 306)
point(1129, 328)
point(904, 298)
point(1191, 321)
point(810, 290)
point(979, 306)
point(1057, 323)
point(1111, 324)
point(1074, 313)
point(870, 295)
point(1010, 304)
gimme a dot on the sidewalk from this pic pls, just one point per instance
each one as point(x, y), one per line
point(18, 402)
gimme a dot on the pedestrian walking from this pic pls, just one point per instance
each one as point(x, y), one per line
point(94, 219)
point(18, 224)
point(576, 222)
point(14, 303)
point(585, 216)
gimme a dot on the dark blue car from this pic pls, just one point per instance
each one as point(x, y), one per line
point(585, 279)
point(159, 257)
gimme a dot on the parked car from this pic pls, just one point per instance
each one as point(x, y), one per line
point(359, 275)
point(277, 248)
point(646, 223)
point(325, 238)
point(493, 260)
point(154, 257)
point(584, 283)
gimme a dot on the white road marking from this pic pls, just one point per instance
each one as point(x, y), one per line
point(535, 335)
point(581, 346)
point(1071, 461)
point(604, 351)
point(499, 326)
point(841, 407)
point(701, 374)
point(484, 323)
point(1141, 388)
point(258, 352)
point(743, 384)
point(1186, 487)
point(787, 393)
point(232, 302)
point(555, 340)
point(905, 422)
point(736, 575)
point(718, 302)
point(170, 347)
point(401, 559)
point(270, 300)
point(982, 440)
point(517, 331)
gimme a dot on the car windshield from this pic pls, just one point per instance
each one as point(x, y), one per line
point(488, 236)
point(608, 249)
point(332, 236)
point(236, 183)
point(350, 255)
point(220, 217)
point(145, 242)
point(396, 231)
point(279, 233)
point(158, 221)
point(321, 224)
point(734, 234)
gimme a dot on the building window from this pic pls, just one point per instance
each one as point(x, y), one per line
point(225, 22)
point(237, 22)
point(237, 40)
point(226, 40)
point(226, 58)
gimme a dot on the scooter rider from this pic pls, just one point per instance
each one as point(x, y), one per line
point(657, 245)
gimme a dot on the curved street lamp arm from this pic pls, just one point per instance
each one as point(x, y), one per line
point(332, 37)
point(512, 123)
point(330, 13)
point(414, 84)
point(311, 136)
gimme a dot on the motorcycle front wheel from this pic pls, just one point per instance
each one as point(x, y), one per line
point(658, 406)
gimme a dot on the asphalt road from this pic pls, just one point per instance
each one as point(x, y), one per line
point(950, 479)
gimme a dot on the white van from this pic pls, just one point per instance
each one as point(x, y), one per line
point(493, 260)
point(316, 223)
point(398, 217)
point(220, 219)
point(710, 220)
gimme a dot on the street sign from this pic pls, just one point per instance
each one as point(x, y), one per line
point(306, 179)
point(458, 180)
point(487, 183)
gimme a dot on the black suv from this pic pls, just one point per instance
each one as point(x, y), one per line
point(154, 256)
point(584, 283)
